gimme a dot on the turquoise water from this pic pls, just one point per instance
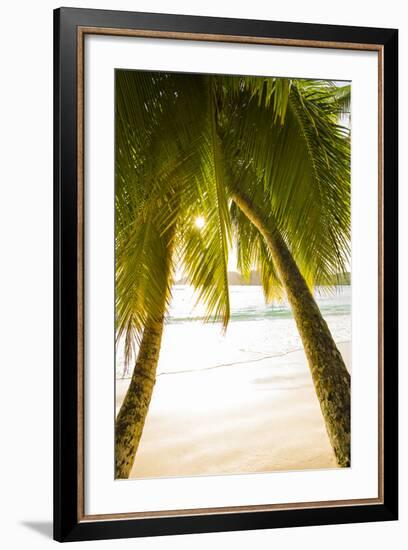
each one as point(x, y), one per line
point(247, 302)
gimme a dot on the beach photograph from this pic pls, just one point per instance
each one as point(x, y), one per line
point(232, 274)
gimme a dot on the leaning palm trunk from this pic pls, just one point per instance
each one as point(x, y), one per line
point(133, 412)
point(330, 376)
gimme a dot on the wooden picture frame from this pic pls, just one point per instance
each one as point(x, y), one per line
point(71, 26)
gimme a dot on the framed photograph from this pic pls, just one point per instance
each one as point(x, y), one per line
point(225, 274)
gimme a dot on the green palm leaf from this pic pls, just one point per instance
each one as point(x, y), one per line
point(165, 179)
point(304, 168)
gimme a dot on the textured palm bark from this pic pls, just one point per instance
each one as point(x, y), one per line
point(330, 376)
point(133, 412)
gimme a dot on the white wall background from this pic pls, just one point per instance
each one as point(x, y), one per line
point(26, 272)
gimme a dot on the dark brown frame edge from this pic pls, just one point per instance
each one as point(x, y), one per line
point(69, 522)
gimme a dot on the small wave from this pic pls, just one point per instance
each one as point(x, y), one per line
point(233, 363)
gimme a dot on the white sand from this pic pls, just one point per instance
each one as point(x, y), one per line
point(253, 417)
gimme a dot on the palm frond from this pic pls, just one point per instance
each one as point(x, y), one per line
point(166, 175)
point(304, 168)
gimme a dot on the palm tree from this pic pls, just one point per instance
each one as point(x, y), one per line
point(291, 181)
point(162, 185)
point(185, 145)
point(330, 376)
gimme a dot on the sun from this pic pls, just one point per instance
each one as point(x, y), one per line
point(199, 222)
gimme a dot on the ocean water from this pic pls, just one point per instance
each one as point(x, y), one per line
point(255, 332)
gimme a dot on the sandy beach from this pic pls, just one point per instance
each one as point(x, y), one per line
point(256, 416)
